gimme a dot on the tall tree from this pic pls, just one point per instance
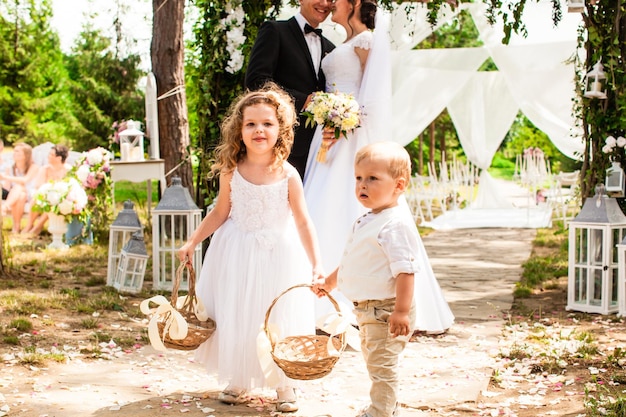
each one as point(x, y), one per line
point(33, 94)
point(167, 54)
point(103, 88)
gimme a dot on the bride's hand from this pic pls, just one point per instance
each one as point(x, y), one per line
point(328, 137)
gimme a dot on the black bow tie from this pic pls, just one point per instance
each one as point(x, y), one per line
point(308, 29)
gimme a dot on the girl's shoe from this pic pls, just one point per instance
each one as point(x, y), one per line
point(232, 396)
point(287, 401)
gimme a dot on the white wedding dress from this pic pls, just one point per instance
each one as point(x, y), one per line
point(329, 186)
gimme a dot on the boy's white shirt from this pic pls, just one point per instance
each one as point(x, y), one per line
point(380, 247)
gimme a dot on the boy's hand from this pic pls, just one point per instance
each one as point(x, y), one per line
point(399, 324)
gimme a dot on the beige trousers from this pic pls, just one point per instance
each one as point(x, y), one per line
point(381, 352)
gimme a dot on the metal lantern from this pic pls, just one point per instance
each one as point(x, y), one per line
point(576, 6)
point(131, 142)
point(173, 220)
point(131, 267)
point(125, 224)
point(615, 180)
point(593, 265)
point(596, 79)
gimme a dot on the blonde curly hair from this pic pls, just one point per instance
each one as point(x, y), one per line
point(232, 150)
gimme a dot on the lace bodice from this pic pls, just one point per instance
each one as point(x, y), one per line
point(261, 209)
point(342, 67)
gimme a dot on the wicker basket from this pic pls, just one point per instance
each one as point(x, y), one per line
point(199, 331)
point(304, 357)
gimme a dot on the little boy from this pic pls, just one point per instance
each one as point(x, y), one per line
point(377, 269)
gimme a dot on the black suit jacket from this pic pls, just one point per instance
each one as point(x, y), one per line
point(280, 54)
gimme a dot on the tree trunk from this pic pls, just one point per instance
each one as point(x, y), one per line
point(2, 270)
point(442, 147)
point(420, 164)
point(167, 54)
point(431, 150)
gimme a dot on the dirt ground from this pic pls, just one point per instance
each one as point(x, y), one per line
point(85, 336)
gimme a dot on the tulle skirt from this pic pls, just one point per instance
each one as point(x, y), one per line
point(240, 277)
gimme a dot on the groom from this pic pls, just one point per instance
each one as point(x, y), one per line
point(289, 53)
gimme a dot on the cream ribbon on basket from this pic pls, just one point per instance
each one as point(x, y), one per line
point(175, 325)
point(264, 352)
point(333, 324)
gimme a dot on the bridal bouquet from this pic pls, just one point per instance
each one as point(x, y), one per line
point(64, 197)
point(338, 111)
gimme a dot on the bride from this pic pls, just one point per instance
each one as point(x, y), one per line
point(361, 66)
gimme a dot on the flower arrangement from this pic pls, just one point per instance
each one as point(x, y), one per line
point(338, 111)
point(611, 144)
point(234, 24)
point(64, 197)
point(93, 171)
point(92, 168)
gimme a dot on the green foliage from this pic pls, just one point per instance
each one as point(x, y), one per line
point(523, 135)
point(48, 96)
point(215, 87)
point(103, 88)
point(33, 97)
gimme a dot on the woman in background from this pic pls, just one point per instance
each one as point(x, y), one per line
point(19, 179)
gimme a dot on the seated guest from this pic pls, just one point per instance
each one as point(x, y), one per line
point(54, 170)
point(19, 180)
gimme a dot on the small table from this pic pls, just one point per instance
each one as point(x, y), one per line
point(139, 171)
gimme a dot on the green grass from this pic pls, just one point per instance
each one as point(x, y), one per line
point(543, 271)
point(136, 192)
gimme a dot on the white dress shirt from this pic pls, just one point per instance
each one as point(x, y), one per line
point(314, 43)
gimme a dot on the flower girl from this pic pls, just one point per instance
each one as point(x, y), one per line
point(262, 237)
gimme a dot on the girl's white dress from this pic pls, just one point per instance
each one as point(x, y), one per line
point(329, 187)
point(254, 256)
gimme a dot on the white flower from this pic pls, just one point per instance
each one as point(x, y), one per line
point(607, 149)
point(95, 157)
point(610, 141)
point(66, 207)
point(54, 197)
point(82, 173)
point(621, 142)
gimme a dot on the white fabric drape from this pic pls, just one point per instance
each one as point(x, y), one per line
point(482, 113)
point(423, 84)
point(542, 82)
point(539, 69)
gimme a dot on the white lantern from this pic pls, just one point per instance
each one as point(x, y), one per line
point(125, 224)
point(131, 142)
point(576, 6)
point(173, 220)
point(596, 79)
point(621, 276)
point(593, 264)
point(131, 267)
point(615, 180)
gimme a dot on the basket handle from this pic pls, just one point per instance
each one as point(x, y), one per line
point(269, 310)
point(190, 301)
